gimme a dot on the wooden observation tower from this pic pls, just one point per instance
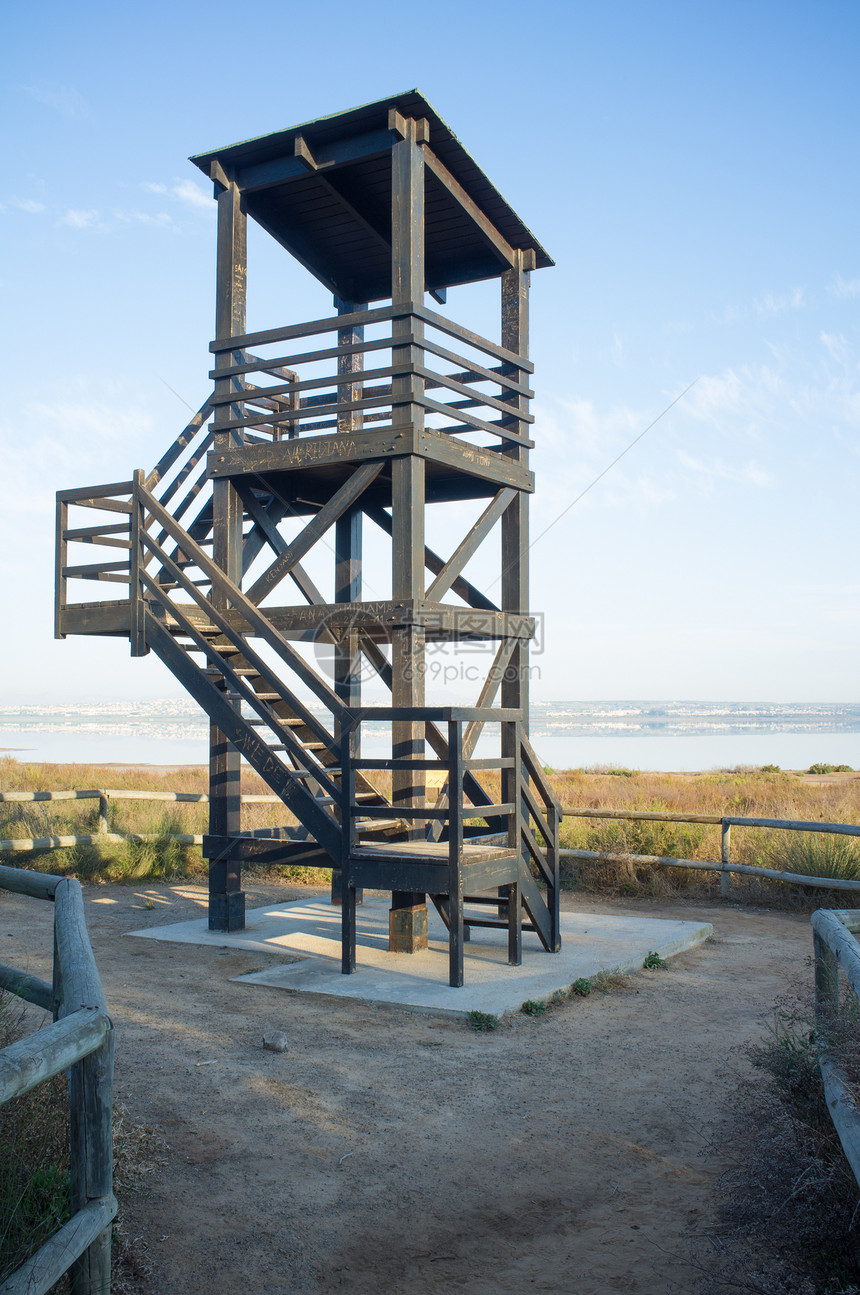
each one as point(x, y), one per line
point(314, 431)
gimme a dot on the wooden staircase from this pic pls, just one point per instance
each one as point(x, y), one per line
point(484, 864)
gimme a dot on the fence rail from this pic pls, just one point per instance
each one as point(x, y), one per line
point(724, 866)
point(79, 1040)
point(835, 948)
point(33, 844)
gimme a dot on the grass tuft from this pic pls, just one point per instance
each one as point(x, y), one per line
point(483, 1022)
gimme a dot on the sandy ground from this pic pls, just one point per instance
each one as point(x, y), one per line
point(387, 1151)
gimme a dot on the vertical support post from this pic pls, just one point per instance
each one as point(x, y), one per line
point(515, 520)
point(226, 900)
point(455, 853)
point(347, 658)
point(554, 891)
point(137, 559)
point(348, 741)
point(407, 497)
point(725, 858)
point(103, 812)
point(348, 366)
point(348, 544)
point(513, 781)
point(61, 558)
point(826, 982)
point(91, 1110)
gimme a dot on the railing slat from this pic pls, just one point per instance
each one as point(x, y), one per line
point(27, 987)
point(48, 1052)
point(48, 1264)
point(38, 885)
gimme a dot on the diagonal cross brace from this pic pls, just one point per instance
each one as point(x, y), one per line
point(462, 588)
point(470, 545)
point(266, 529)
point(340, 501)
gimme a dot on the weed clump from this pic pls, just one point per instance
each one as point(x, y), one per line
point(532, 1007)
point(483, 1022)
point(789, 1202)
point(35, 1188)
point(653, 961)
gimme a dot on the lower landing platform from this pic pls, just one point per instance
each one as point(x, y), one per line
point(309, 929)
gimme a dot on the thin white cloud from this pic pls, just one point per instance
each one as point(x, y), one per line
point(185, 192)
point(844, 289)
point(836, 345)
point(193, 196)
point(160, 218)
point(748, 473)
point(64, 99)
point(773, 303)
point(29, 205)
point(78, 218)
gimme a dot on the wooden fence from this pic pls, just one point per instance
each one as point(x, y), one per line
point(835, 948)
point(724, 866)
point(80, 1040)
point(725, 822)
point(103, 836)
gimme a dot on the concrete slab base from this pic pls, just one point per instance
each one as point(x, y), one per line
point(309, 930)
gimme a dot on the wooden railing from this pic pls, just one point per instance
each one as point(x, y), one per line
point(475, 390)
point(526, 819)
point(80, 1040)
point(179, 479)
point(836, 949)
point(103, 835)
point(725, 867)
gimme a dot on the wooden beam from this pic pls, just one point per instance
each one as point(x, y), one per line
point(340, 501)
point(500, 245)
point(263, 175)
point(470, 545)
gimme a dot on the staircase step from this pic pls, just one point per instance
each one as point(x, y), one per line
point(284, 723)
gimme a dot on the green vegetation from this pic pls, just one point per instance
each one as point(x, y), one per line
point(653, 961)
point(830, 768)
point(755, 793)
point(816, 854)
point(34, 1157)
point(483, 1022)
point(532, 1007)
point(789, 1198)
point(580, 988)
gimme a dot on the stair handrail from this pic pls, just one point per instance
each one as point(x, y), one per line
point(255, 618)
point(188, 434)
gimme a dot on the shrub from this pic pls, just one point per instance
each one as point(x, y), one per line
point(483, 1021)
point(817, 855)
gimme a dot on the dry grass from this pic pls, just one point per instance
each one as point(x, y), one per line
point(746, 793)
point(34, 1168)
point(788, 1219)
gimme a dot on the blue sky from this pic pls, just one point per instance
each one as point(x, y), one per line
point(693, 169)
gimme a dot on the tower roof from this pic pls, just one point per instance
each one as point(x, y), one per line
point(323, 190)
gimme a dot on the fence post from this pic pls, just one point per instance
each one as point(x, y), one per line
point(725, 849)
point(103, 811)
point(137, 560)
point(826, 981)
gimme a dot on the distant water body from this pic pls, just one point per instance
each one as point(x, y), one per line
point(566, 734)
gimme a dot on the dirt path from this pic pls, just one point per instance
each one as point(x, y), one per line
point(391, 1152)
